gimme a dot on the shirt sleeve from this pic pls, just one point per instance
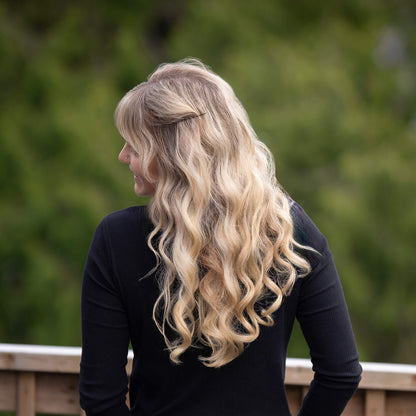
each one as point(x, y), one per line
point(105, 335)
point(323, 316)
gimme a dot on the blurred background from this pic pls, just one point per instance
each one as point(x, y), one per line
point(330, 87)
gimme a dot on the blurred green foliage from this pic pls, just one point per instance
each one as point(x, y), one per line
point(329, 86)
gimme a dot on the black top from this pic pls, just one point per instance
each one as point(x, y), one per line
point(117, 309)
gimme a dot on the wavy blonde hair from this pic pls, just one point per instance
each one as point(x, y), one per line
point(223, 234)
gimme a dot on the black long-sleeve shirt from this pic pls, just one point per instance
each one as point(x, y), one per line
point(117, 305)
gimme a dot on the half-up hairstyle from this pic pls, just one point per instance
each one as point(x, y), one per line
point(223, 234)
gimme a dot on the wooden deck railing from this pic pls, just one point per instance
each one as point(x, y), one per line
point(39, 379)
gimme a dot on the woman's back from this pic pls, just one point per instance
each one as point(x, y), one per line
point(119, 307)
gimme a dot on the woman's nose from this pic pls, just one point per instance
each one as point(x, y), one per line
point(123, 156)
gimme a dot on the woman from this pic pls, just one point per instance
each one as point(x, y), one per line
point(206, 281)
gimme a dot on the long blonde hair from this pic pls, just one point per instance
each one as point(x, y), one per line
point(223, 234)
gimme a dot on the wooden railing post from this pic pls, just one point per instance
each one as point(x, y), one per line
point(26, 394)
point(375, 403)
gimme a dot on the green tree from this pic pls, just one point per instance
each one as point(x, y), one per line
point(330, 87)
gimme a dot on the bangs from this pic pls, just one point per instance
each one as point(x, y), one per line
point(129, 115)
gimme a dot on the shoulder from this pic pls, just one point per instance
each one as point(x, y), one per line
point(126, 216)
point(126, 219)
point(306, 233)
point(125, 224)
